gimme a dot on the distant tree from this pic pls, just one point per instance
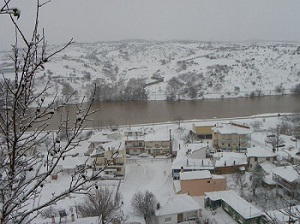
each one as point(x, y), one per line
point(144, 204)
point(173, 89)
point(257, 124)
point(296, 89)
point(135, 90)
point(103, 202)
point(257, 178)
point(67, 89)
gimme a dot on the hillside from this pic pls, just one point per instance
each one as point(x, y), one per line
point(171, 70)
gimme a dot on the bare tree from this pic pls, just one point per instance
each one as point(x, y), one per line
point(25, 117)
point(178, 120)
point(102, 202)
point(144, 204)
point(240, 181)
point(275, 139)
point(257, 178)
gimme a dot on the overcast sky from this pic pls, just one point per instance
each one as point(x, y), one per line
point(204, 20)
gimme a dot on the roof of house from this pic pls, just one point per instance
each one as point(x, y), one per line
point(239, 204)
point(259, 151)
point(267, 166)
point(289, 173)
point(195, 164)
point(192, 175)
point(200, 174)
point(224, 159)
point(231, 129)
point(161, 135)
point(178, 204)
point(100, 137)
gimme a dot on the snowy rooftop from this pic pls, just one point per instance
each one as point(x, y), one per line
point(196, 175)
point(195, 164)
point(259, 151)
point(192, 175)
point(239, 204)
point(161, 135)
point(229, 159)
point(100, 137)
point(178, 204)
point(231, 129)
point(267, 166)
point(288, 173)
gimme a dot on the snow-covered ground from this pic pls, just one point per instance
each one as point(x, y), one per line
point(154, 174)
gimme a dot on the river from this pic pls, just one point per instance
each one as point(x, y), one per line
point(129, 113)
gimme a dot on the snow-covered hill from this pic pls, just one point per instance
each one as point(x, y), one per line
point(201, 70)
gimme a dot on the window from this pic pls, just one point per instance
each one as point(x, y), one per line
point(169, 219)
point(255, 159)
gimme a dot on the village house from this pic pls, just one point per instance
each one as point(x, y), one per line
point(229, 162)
point(231, 136)
point(134, 141)
point(203, 130)
point(179, 208)
point(293, 155)
point(238, 208)
point(111, 157)
point(101, 138)
point(258, 154)
point(195, 183)
point(268, 168)
point(158, 143)
point(287, 180)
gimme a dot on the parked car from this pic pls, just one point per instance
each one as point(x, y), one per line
point(143, 155)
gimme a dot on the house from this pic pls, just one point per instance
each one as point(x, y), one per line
point(195, 183)
point(287, 180)
point(293, 155)
point(111, 157)
point(229, 162)
point(231, 136)
point(258, 154)
point(134, 131)
point(184, 164)
point(238, 208)
point(203, 130)
point(158, 142)
point(178, 208)
point(101, 138)
point(268, 168)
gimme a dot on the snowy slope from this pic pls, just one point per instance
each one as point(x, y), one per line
point(212, 69)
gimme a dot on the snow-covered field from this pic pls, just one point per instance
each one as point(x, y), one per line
point(154, 174)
